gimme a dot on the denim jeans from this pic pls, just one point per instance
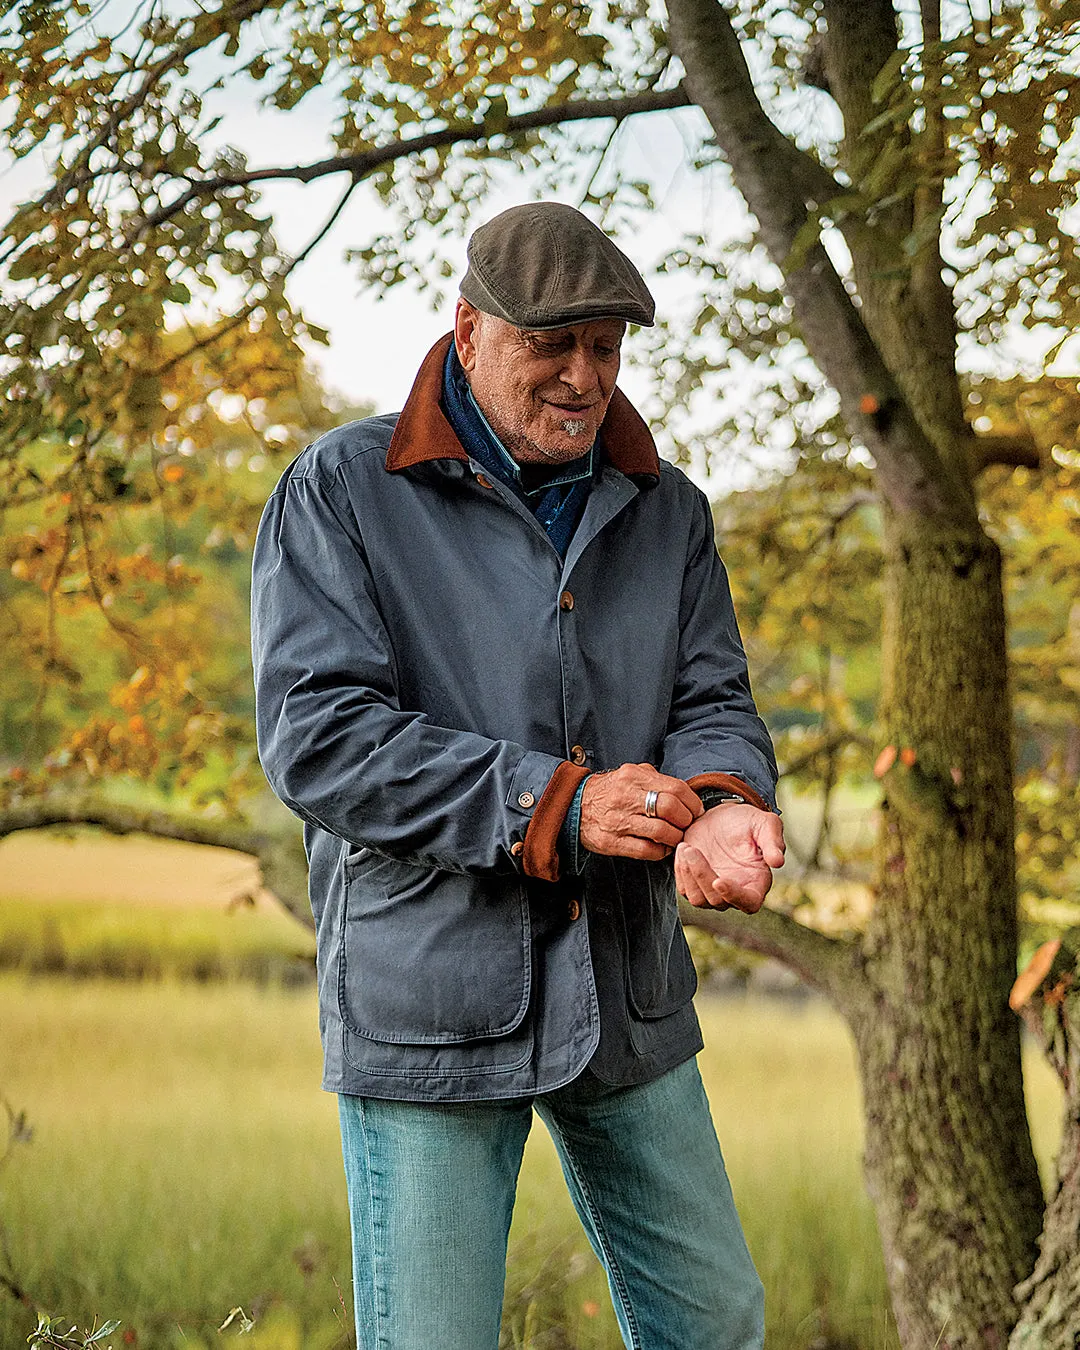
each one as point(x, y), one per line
point(431, 1189)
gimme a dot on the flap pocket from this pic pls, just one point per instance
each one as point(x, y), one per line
point(660, 974)
point(432, 957)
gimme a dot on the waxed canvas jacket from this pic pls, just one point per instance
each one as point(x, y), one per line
point(432, 683)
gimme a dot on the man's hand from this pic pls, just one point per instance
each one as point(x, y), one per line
point(726, 857)
point(613, 819)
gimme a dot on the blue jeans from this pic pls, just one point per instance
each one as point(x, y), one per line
point(431, 1189)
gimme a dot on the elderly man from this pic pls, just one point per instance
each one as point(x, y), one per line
point(499, 678)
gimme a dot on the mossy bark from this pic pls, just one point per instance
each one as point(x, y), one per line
point(948, 1159)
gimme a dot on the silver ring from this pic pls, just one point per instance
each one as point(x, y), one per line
point(651, 799)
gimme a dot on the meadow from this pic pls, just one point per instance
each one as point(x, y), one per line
point(184, 1163)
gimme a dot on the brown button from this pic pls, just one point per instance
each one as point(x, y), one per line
point(577, 754)
point(517, 848)
point(573, 910)
point(526, 800)
point(484, 481)
point(566, 600)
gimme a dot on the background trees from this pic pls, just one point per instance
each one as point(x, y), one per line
point(911, 178)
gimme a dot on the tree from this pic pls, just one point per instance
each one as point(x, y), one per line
point(950, 141)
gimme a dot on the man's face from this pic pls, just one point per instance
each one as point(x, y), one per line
point(544, 393)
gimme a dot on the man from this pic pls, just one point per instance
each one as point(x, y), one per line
point(499, 677)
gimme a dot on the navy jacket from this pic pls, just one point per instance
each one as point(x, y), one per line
point(432, 683)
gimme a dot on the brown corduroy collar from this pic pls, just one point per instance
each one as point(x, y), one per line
point(423, 433)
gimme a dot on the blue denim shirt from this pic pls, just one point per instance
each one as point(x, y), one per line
point(433, 681)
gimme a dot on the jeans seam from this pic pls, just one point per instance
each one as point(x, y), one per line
point(378, 1287)
point(617, 1279)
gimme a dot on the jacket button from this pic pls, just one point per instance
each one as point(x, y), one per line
point(517, 848)
point(573, 910)
point(484, 480)
point(526, 800)
point(577, 754)
point(566, 600)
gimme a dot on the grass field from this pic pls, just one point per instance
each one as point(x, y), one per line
point(86, 904)
point(184, 1162)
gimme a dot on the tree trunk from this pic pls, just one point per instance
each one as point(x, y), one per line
point(948, 1162)
point(1051, 1295)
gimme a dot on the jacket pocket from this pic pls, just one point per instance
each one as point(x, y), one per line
point(431, 957)
point(660, 974)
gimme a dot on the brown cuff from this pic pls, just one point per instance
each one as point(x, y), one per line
point(541, 856)
point(726, 782)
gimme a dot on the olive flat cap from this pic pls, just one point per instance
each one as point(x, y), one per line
point(545, 265)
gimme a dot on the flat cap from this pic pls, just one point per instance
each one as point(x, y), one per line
point(545, 265)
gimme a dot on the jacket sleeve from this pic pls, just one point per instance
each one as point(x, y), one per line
point(334, 742)
point(714, 730)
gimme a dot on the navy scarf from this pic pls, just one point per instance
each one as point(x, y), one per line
point(557, 498)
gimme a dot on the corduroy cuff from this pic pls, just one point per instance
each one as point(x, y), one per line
point(541, 856)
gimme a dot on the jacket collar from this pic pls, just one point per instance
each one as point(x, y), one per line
point(423, 432)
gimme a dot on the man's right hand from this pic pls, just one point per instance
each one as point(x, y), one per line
point(613, 819)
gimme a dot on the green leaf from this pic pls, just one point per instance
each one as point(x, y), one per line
point(106, 1329)
point(887, 77)
point(805, 239)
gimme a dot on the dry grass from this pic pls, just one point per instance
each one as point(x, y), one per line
point(184, 1160)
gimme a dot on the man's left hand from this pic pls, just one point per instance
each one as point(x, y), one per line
point(727, 856)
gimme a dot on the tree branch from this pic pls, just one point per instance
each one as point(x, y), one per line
point(860, 38)
point(823, 962)
point(1019, 450)
point(901, 172)
point(237, 11)
point(830, 746)
point(279, 854)
point(364, 162)
point(913, 476)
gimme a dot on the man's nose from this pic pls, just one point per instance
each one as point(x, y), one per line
point(579, 371)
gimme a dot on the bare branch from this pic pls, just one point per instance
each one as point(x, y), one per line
point(830, 746)
point(1019, 450)
point(364, 162)
point(215, 335)
point(280, 854)
point(825, 963)
point(828, 533)
point(331, 220)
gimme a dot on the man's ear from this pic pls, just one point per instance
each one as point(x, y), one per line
point(466, 332)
